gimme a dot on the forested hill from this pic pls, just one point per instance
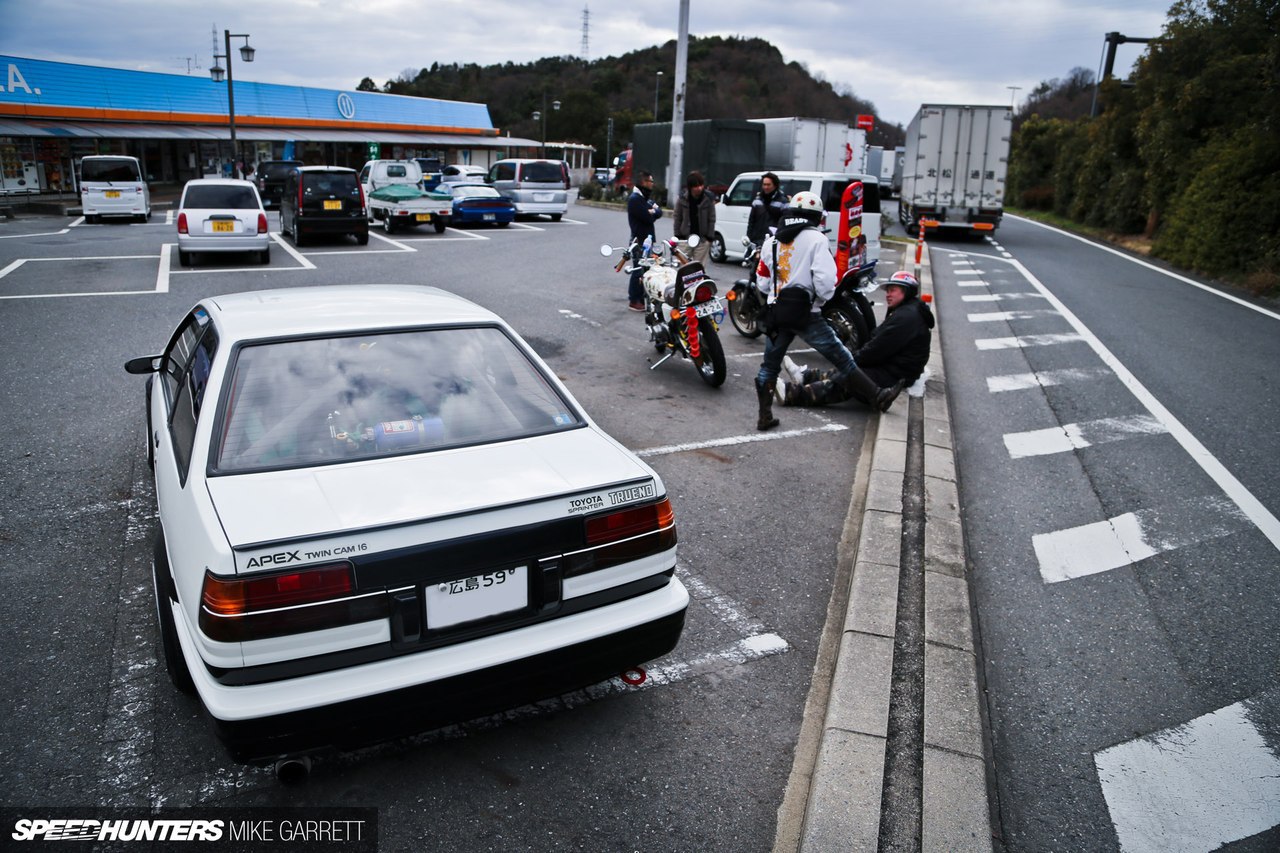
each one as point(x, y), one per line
point(727, 78)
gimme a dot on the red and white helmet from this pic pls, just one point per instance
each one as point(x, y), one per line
point(905, 280)
point(807, 205)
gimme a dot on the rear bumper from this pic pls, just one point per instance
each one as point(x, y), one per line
point(323, 225)
point(228, 243)
point(529, 207)
point(376, 702)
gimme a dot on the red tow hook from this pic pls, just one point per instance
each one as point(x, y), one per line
point(691, 323)
point(635, 676)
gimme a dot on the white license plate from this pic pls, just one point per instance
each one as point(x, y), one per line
point(477, 597)
point(544, 196)
point(489, 217)
point(707, 309)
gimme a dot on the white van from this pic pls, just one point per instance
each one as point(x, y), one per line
point(734, 207)
point(112, 185)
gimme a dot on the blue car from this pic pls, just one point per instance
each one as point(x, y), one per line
point(478, 204)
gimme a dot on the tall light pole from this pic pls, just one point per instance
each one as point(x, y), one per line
point(246, 53)
point(1013, 94)
point(657, 80)
point(542, 114)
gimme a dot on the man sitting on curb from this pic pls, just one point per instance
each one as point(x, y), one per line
point(894, 357)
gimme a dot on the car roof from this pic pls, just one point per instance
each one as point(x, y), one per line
point(325, 169)
point(325, 309)
point(819, 175)
point(230, 182)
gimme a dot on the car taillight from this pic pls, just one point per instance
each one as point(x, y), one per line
point(182, 223)
point(238, 609)
point(360, 187)
point(624, 536)
point(262, 223)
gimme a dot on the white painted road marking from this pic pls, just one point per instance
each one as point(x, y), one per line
point(749, 438)
point(1027, 341)
point(968, 272)
point(1000, 297)
point(1061, 439)
point(996, 316)
point(1194, 787)
point(1044, 379)
point(1121, 541)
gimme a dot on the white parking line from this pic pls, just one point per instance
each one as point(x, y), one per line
point(1044, 379)
point(39, 233)
point(1121, 541)
point(1061, 439)
point(1024, 341)
point(1193, 787)
point(526, 227)
point(749, 438)
point(12, 266)
point(162, 273)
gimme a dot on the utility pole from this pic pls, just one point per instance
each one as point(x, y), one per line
point(675, 165)
point(1113, 41)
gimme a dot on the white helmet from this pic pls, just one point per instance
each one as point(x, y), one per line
point(806, 205)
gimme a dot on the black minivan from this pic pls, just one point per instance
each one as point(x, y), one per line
point(270, 176)
point(323, 200)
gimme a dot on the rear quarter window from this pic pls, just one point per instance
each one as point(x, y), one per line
point(503, 172)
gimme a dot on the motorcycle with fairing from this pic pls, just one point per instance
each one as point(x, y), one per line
point(682, 311)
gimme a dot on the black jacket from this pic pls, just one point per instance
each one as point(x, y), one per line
point(900, 345)
point(765, 211)
point(641, 214)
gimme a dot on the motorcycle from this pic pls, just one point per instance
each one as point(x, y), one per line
point(849, 311)
point(682, 311)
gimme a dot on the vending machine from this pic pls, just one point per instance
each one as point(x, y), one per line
point(17, 175)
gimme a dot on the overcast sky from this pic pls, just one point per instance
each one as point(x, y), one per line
point(895, 54)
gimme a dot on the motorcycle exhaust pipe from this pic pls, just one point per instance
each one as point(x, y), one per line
point(293, 770)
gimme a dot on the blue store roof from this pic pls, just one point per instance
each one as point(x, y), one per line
point(38, 88)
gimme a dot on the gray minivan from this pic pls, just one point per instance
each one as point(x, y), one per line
point(534, 186)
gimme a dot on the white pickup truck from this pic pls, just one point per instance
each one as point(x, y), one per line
point(393, 195)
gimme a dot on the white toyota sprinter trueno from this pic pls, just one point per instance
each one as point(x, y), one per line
point(380, 511)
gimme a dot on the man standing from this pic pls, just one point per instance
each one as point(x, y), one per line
point(766, 209)
point(893, 358)
point(799, 257)
point(642, 212)
point(695, 214)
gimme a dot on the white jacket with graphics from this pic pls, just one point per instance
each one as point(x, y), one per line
point(803, 261)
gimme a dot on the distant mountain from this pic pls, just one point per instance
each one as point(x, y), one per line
point(727, 78)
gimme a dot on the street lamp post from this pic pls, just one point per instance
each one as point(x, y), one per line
point(657, 81)
point(542, 114)
point(1013, 94)
point(246, 53)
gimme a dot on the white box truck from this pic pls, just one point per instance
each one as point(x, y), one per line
point(953, 175)
point(813, 145)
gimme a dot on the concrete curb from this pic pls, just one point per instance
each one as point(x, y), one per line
point(844, 804)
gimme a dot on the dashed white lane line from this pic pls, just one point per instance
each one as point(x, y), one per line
point(1023, 341)
point(1117, 542)
point(749, 438)
point(1194, 787)
point(1044, 379)
point(997, 316)
point(573, 315)
point(1000, 297)
point(1068, 437)
point(968, 272)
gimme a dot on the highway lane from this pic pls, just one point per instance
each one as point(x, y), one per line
point(1119, 479)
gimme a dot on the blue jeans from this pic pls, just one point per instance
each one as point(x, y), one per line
point(635, 287)
point(819, 335)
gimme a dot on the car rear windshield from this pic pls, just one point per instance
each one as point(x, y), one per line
point(295, 404)
point(330, 183)
point(109, 170)
point(542, 173)
point(475, 192)
point(219, 197)
point(278, 171)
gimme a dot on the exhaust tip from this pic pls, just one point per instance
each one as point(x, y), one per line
point(293, 770)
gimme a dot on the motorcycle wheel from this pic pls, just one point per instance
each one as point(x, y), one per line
point(847, 322)
point(710, 360)
point(738, 309)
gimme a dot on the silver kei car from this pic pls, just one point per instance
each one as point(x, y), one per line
point(380, 511)
point(222, 215)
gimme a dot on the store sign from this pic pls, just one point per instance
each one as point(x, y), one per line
point(17, 81)
point(346, 106)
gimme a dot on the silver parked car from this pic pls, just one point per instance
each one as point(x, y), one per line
point(222, 215)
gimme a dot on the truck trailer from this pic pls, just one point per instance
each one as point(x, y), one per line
point(813, 145)
point(956, 161)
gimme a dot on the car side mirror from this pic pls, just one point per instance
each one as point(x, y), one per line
point(143, 364)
